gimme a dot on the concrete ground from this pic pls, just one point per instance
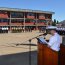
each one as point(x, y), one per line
point(10, 54)
point(8, 42)
point(19, 59)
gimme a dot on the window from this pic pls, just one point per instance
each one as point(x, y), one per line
point(31, 14)
point(17, 20)
point(41, 15)
point(4, 20)
point(17, 15)
point(3, 12)
point(0, 20)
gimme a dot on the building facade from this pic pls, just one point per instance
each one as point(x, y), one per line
point(24, 18)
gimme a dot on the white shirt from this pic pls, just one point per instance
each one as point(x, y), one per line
point(55, 42)
point(7, 28)
point(3, 28)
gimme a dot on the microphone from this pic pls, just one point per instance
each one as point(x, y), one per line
point(43, 34)
point(38, 36)
point(34, 38)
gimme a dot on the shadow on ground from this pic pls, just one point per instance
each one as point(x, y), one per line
point(19, 59)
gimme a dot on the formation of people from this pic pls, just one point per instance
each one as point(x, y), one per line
point(27, 29)
point(21, 29)
point(42, 29)
point(60, 30)
point(3, 29)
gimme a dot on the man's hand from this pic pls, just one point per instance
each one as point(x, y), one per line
point(49, 46)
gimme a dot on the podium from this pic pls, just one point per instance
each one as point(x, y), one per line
point(62, 55)
point(47, 56)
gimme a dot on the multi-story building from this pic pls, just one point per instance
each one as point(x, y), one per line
point(13, 17)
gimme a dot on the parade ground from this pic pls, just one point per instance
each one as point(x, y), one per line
point(8, 42)
point(11, 54)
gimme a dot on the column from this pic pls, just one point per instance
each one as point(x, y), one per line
point(10, 22)
point(24, 21)
point(36, 22)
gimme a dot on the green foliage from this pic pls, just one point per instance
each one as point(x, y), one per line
point(55, 22)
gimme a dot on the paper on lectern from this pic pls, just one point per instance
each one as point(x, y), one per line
point(42, 40)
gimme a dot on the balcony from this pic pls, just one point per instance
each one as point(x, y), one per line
point(31, 17)
point(3, 15)
point(48, 17)
point(29, 23)
point(17, 24)
point(42, 17)
point(3, 23)
point(41, 24)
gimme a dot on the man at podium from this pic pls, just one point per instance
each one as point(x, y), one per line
point(55, 40)
point(52, 52)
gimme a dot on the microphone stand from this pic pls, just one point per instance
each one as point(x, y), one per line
point(30, 48)
point(30, 52)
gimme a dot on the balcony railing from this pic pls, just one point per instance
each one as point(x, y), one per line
point(41, 23)
point(3, 15)
point(16, 23)
point(41, 17)
point(3, 23)
point(31, 17)
point(31, 23)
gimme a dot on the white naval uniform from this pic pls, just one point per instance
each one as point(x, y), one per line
point(55, 42)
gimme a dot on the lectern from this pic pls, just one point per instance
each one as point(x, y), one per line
point(47, 56)
point(62, 54)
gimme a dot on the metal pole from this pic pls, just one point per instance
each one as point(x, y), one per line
point(24, 22)
point(36, 21)
point(30, 52)
point(10, 22)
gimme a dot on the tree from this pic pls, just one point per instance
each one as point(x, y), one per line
point(54, 22)
point(57, 21)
